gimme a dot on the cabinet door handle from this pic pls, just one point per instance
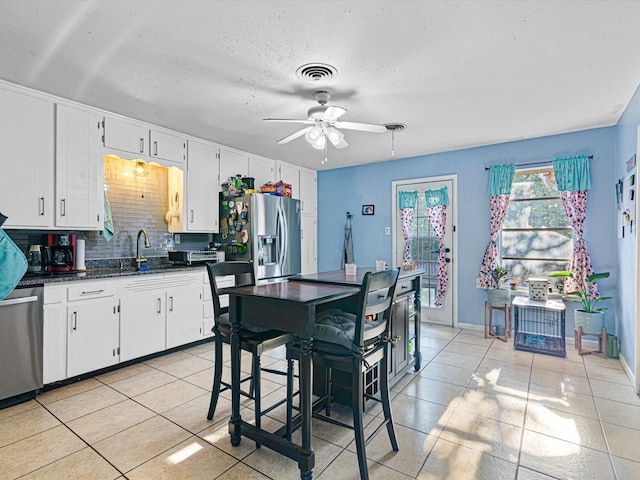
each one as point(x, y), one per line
point(142, 145)
point(75, 321)
point(192, 215)
point(159, 306)
point(41, 201)
point(92, 292)
point(63, 207)
point(171, 304)
point(155, 148)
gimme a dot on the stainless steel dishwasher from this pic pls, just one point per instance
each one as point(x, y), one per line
point(21, 330)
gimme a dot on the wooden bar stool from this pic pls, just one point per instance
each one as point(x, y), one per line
point(488, 321)
point(602, 342)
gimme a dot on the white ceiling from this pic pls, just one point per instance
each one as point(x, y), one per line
point(458, 74)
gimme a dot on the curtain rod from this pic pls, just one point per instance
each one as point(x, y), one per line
point(529, 164)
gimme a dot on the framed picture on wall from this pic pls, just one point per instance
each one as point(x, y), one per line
point(367, 209)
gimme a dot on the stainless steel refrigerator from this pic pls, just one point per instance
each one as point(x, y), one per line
point(265, 229)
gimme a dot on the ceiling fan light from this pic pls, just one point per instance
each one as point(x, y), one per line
point(335, 135)
point(313, 134)
point(319, 143)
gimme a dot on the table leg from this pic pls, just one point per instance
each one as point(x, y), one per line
point(306, 459)
point(234, 339)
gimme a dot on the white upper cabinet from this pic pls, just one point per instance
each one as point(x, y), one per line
point(126, 135)
point(289, 174)
point(167, 146)
point(233, 163)
point(202, 187)
point(164, 147)
point(308, 192)
point(79, 172)
point(261, 169)
point(26, 160)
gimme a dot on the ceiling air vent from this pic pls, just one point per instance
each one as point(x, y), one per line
point(316, 73)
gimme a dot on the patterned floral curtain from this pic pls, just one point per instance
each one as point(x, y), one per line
point(437, 201)
point(574, 180)
point(407, 202)
point(500, 180)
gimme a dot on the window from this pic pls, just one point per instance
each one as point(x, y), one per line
point(536, 237)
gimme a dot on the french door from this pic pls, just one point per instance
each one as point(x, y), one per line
point(438, 300)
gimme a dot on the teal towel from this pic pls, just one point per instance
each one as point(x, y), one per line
point(13, 265)
point(108, 230)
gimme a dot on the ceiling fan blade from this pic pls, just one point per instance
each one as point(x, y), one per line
point(332, 113)
point(289, 120)
point(364, 127)
point(293, 136)
point(341, 144)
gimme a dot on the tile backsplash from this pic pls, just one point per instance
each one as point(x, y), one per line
point(136, 202)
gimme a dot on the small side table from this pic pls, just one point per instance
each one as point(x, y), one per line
point(602, 342)
point(488, 321)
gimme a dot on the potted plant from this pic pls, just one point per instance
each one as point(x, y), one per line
point(589, 317)
point(497, 296)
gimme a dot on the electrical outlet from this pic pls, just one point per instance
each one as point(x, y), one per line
point(387, 230)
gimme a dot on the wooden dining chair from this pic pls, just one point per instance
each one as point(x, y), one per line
point(353, 342)
point(254, 340)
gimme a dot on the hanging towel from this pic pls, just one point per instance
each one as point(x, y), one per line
point(13, 265)
point(347, 249)
point(108, 230)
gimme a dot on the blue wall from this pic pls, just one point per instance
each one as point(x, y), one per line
point(347, 189)
point(626, 139)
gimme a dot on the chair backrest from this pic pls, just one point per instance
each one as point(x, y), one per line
point(375, 301)
point(243, 275)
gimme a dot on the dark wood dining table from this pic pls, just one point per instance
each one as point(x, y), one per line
point(289, 307)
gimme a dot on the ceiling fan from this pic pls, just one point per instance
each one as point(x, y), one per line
point(323, 125)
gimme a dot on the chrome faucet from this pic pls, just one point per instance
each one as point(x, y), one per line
point(140, 259)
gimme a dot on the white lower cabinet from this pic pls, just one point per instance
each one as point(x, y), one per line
point(54, 355)
point(93, 324)
point(159, 312)
point(92, 327)
point(142, 323)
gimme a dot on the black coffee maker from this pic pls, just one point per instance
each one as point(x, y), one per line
point(59, 253)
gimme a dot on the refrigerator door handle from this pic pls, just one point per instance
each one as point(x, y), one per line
point(282, 236)
point(285, 244)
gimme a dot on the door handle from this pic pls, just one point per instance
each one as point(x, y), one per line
point(63, 207)
point(75, 321)
point(192, 216)
point(155, 148)
point(141, 145)
point(159, 306)
point(171, 304)
point(41, 206)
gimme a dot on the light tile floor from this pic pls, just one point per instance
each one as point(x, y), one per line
point(477, 410)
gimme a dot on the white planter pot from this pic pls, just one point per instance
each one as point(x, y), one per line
point(498, 297)
point(590, 322)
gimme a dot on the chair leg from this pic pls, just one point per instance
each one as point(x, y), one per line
point(386, 404)
point(327, 407)
point(255, 380)
point(290, 379)
point(217, 376)
point(357, 402)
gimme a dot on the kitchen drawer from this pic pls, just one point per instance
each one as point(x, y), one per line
point(404, 286)
point(88, 290)
point(54, 294)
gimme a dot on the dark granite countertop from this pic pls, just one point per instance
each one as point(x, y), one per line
point(31, 279)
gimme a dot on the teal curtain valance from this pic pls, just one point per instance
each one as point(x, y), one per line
point(437, 197)
point(572, 173)
point(407, 199)
point(501, 178)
